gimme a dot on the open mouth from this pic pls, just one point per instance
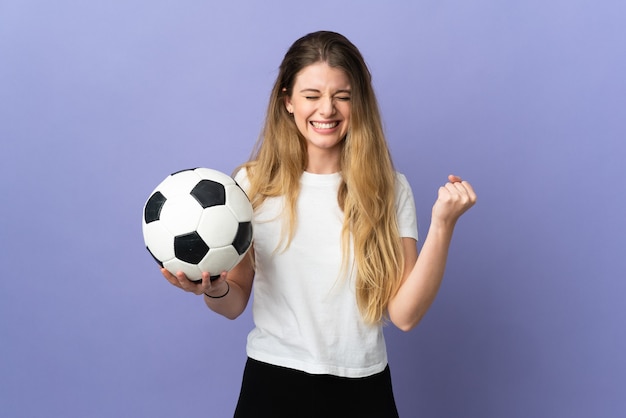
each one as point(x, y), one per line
point(324, 125)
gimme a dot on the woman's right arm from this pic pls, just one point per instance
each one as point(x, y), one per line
point(229, 294)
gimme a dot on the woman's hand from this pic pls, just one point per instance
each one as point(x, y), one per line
point(207, 286)
point(420, 286)
point(453, 200)
point(227, 298)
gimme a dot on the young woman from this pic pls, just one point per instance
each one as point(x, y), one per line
point(334, 252)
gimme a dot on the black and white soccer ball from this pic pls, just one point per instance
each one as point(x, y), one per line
point(198, 220)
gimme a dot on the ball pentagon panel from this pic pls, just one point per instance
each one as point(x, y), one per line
point(209, 193)
point(152, 210)
point(243, 239)
point(190, 247)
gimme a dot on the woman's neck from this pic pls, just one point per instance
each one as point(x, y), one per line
point(326, 163)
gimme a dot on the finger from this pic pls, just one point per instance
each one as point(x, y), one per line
point(456, 192)
point(209, 281)
point(470, 190)
point(453, 188)
point(454, 179)
point(460, 187)
point(444, 191)
point(203, 285)
point(170, 277)
point(185, 282)
point(466, 192)
point(206, 277)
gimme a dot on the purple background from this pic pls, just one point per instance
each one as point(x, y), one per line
point(100, 100)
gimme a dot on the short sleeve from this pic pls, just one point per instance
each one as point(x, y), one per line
point(241, 177)
point(405, 208)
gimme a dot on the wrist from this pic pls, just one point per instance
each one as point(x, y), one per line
point(221, 294)
point(441, 229)
point(443, 224)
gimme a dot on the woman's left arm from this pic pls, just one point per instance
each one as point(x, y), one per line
point(423, 274)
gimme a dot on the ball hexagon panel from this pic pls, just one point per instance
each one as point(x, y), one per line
point(238, 202)
point(217, 226)
point(180, 214)
point(179, 183)
point(219, 259)
point(192, 271)
point(159, 240)
point(218, 176)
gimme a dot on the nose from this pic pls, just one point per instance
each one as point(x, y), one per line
point(327, 106)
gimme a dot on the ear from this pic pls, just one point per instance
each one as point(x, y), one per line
point(288, 104)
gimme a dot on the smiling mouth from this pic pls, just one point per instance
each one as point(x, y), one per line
point(324, 125)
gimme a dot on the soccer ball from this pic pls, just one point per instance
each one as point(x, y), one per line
point(198, 220)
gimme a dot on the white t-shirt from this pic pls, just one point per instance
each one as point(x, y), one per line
point(306, 316)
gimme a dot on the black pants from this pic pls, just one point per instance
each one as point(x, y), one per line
point(274, 392)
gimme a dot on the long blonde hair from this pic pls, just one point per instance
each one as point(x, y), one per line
point(367, 191)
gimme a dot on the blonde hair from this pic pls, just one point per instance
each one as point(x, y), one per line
point(367, 191)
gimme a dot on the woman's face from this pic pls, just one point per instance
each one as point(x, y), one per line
point(320, 104)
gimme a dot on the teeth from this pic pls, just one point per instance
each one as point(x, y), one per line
point(328, 125)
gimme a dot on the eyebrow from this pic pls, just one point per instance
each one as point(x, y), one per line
point(318, 91)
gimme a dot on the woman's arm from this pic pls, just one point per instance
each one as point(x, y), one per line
point(423, 274)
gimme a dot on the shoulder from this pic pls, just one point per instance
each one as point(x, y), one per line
point(241, 177)
point(405, 207)
point(402, 184)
